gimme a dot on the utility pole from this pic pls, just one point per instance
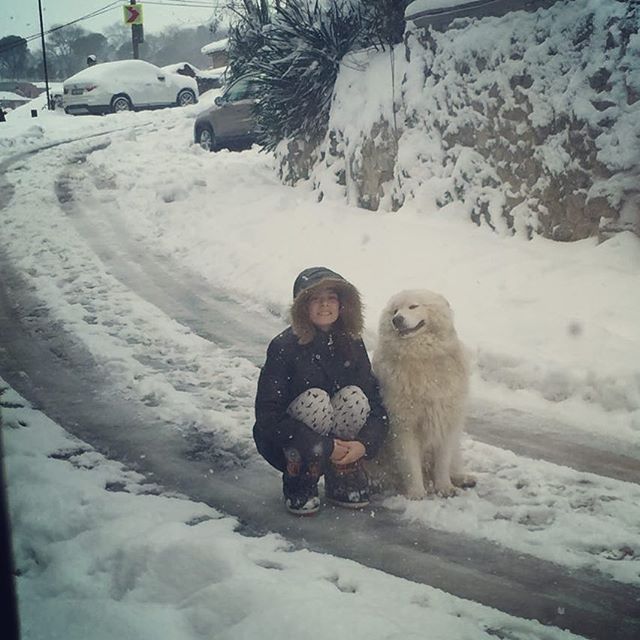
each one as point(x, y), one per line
point(44, 56)
point(134, 40)
point(137, 33)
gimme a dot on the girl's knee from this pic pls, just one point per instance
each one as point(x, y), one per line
point(351, 410)
point(313, 408)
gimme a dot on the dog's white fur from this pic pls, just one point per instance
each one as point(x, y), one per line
point(423, 373)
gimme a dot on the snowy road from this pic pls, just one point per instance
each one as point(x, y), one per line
point(135, 331)
point(65, 384)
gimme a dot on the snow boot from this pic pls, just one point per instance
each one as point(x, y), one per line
point(300, 485)
point(347, 485)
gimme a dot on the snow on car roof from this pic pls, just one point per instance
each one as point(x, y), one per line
point(173, 68)
point(109, 69)
point(213, 73)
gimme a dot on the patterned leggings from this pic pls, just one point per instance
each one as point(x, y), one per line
point(342, 415)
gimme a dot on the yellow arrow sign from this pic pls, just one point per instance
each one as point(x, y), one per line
point(132, 13)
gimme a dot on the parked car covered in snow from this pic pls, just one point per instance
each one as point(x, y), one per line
point(231, 121)
point(125, 85)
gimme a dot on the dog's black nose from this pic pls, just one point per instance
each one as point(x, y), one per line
point(398, 321)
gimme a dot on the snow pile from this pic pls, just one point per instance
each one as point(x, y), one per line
point(11, 97)
point(531, 121)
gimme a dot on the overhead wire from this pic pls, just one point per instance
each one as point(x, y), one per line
point(187, 3)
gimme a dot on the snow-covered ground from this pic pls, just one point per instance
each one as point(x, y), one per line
point(553, 330)
point(103, 554)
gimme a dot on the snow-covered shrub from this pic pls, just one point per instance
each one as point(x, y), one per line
point(296, 51)
point(297, 64)
point(247, 36)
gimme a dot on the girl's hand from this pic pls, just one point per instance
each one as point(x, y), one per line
point(354, 451)
point(340, 450)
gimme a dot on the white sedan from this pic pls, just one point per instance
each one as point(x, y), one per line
point(125, 85)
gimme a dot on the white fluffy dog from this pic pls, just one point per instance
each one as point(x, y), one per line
point(423, 373)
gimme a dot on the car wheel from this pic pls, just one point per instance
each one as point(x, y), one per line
point(206, 139)
point(185, 97)
point(120, 103)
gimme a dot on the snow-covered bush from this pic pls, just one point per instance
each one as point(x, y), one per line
point(296, 51)
point(247, 36)
point(298, 63)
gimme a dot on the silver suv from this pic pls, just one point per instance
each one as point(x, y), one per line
point(230, 122)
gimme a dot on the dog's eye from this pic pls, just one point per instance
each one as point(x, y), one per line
point(413, 306)
point(395, 311)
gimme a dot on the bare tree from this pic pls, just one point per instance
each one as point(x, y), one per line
point(91, 43)
point(14, 57)
point(60, 50)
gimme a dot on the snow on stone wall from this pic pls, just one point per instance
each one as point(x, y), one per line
point(531, 120)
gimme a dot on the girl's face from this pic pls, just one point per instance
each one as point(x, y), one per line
point(324, 308)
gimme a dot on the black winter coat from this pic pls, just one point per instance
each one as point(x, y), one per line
point(290, 369)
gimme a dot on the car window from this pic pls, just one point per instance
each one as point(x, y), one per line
point(241, 90)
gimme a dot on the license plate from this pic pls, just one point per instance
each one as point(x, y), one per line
point(76, 92)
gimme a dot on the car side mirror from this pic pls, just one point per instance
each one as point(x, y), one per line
point(161, 78)
point(218, 101)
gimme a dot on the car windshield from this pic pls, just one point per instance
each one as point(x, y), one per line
point(241, 90)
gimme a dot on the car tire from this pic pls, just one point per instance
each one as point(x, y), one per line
point(185, 97)
point(121, 102)
point(207, 139)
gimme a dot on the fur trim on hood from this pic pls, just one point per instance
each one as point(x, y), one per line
point(351, 316)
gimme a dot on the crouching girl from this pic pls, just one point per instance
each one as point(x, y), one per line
point(318, 407)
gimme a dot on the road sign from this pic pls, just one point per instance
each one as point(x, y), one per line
point(132, 13)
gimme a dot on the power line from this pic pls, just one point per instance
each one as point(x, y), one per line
point(189, 4)
point(93, 14)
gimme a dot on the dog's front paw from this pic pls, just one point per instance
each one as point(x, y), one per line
point(464, 480)
point(446, 491)
point(416, 493)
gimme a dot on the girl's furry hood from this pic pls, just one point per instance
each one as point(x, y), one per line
point(310, 280)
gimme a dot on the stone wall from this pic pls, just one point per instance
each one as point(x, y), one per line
point(530, 121)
